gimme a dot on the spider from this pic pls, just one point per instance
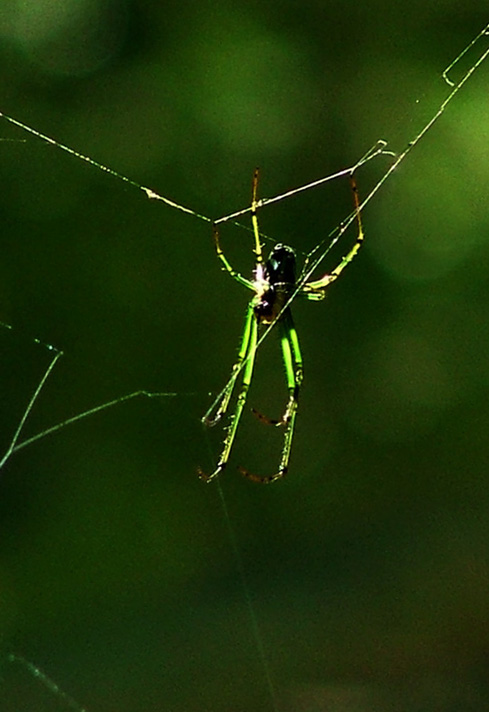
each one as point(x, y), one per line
point(274, 285)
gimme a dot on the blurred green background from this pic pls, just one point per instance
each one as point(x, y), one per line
point(368, 567)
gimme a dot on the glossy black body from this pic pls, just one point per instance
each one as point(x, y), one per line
point(279, 277)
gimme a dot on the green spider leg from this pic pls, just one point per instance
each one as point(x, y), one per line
point(246, 354)
point(222, 403)
point(294, 371)
point(226, 265)
point(257, 249)
point(254, 218)
point(316, 289)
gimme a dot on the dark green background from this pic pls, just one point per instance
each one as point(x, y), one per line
point(368, 567)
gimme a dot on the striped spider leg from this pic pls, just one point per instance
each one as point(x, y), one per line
point(273, 285)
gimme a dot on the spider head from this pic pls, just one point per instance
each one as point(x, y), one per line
point(280, 266)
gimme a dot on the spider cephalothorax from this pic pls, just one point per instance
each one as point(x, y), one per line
point(274, 285)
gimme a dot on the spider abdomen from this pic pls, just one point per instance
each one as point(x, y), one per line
point(275, 284)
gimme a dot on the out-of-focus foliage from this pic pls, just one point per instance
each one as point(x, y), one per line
point(368, 567)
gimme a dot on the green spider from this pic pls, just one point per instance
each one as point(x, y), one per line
point(273, 285)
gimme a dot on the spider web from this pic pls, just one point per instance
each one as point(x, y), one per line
point(185, 406)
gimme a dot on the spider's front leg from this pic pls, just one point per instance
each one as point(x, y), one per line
point(226, 265)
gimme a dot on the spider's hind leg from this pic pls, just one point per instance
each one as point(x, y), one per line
point(294, 372)
point(245, 362)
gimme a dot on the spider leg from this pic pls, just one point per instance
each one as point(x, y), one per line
point(254, 219)
point(226, 265)
point(246, 354)
point(294, 373)
point(257, 250)
point(316, 289)
point(222, 402)
point(265, 419)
